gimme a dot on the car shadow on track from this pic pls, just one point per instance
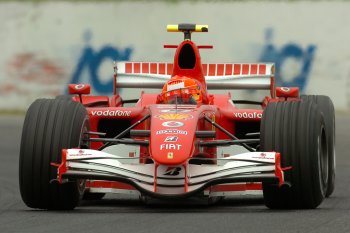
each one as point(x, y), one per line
point(192, 205)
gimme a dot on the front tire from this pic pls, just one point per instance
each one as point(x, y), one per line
point(296, 130)
point(50, 125)
point(325, 104)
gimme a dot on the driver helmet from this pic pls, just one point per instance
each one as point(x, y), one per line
point(181, 90)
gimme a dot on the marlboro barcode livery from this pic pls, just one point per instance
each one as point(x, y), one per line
point(183, 141)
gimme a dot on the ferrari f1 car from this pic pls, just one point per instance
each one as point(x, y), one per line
point(182, 141)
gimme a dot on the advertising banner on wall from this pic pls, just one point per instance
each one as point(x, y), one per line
point(44, 46)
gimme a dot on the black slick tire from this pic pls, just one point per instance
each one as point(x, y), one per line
point(50, 125)
point(296, 130)
point(326, 106)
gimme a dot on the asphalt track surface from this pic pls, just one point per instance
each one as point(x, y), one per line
point(123, 214)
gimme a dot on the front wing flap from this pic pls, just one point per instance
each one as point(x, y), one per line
point(169, 181)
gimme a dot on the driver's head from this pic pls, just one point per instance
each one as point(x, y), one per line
point(181, 90)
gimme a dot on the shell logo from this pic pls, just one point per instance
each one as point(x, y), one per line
point(175, 116)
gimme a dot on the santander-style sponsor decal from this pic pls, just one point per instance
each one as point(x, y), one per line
point(112, 113)
point(264, 156)
point(80, 153)
point(171, 131)
point(172, 124)
point(248, 115)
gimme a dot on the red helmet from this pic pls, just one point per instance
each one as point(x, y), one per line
point(181, 90)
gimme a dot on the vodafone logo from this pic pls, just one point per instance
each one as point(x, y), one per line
point(112, 113)
point(173, 124)
point(285, 89)
point(247, 115)
point(79, 86)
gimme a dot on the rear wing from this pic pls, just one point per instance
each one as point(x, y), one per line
point(258, 76)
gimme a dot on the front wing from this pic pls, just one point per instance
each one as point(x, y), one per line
point(170, 181)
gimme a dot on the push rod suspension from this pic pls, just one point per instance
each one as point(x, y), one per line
point(125, 131)
point(228, 133)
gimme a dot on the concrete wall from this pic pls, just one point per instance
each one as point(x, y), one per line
point(44, 46)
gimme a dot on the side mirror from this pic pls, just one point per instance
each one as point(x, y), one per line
point(287, 92)
point(79, 89)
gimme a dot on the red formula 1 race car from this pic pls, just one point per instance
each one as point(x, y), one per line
point(182, 141)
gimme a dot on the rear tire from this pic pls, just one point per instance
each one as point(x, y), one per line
point(50, 125)
point(325, 104)
point(296, 130)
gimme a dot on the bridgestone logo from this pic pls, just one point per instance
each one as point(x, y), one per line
point(171, 131)
point(246, 115)
point(111, 113)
